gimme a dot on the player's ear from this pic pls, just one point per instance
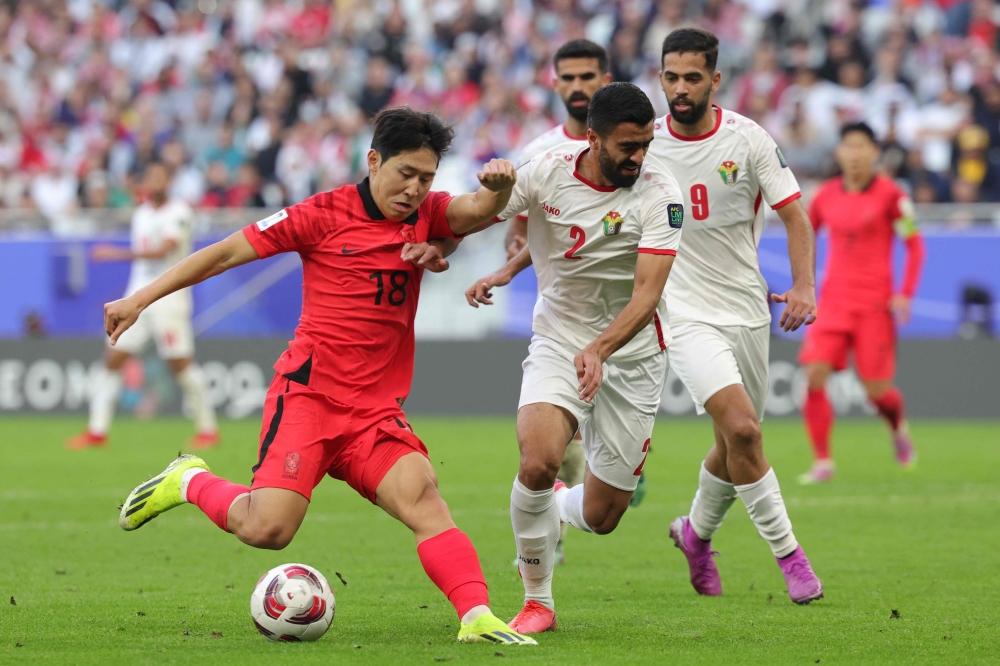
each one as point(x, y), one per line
point(594, 139)
point(374, 161)
point(716, 80)
point(606, 79)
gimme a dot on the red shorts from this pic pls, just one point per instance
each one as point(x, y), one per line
point(306, 435)
point(871, 334)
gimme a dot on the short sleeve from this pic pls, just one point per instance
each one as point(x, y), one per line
point(520, 198)
point(435, 207)
point(775, 178)
point(298, 228)
point(902, 214)
point(662, 217)
point(815, 211)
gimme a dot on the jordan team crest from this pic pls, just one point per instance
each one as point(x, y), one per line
point(729, 172)
point(612, 224)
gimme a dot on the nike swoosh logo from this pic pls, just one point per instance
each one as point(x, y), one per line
point(344, 250)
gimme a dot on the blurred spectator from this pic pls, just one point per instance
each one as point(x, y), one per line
point(264, 101)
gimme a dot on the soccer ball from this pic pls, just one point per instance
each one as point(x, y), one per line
point(292, 602)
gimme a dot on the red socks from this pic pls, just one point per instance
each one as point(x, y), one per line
point(451, 563)
point(890, 406)
point(818, 414)
point(214, 495)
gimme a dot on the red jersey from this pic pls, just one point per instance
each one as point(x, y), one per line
point(354, 341)
point(862, 226)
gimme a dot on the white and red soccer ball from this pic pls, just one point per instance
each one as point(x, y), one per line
point(292, 602)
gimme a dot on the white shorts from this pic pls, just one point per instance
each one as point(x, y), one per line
point(167, 323)
point(617, 425)
point(709, 358)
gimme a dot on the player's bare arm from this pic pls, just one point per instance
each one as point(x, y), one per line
point(215, 259)
point(800, 300)
point(106, 252)
point(472, 212)
point(480, 291)
point(651, 273)
point(516, 238)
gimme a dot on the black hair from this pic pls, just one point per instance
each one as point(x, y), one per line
point(864, 128)
point(618, 103)
point(582, 48)
point(402, 130)
point(693, 40)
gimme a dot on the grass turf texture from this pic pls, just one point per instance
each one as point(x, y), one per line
point(924, 543)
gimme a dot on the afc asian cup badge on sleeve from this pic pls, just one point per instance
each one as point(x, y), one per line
point(675, 215)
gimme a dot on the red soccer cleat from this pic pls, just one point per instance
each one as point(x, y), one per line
point(86, 440)
point(204, 440)
point(534, 618)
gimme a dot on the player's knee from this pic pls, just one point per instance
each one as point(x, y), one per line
point(745, 434)
point(538, 472)
point(815, 376)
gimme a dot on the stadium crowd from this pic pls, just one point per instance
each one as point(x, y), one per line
point(263, 102)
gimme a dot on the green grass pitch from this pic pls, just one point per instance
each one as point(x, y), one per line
point(926, 544)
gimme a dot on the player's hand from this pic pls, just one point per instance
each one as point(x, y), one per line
point(800, 307)
point(482, 290)
point(425, 255)
point(105, 252)
point(119, 316)
point(901, 307)
point(497, 175)
point(516, 244)
point(590, 372)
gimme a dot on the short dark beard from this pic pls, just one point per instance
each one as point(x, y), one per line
point(612, 169)
point(691, 117)
point(577, 112)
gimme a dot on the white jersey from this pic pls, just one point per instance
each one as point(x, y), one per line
point(584, 241)
point(550, 139)
point(151, 227)
point(723, 175)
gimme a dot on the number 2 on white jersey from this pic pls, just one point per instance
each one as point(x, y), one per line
point(580, 236)
point(699, 201)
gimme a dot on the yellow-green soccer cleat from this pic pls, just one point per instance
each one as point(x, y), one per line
point(488, 628)
point(159, 494)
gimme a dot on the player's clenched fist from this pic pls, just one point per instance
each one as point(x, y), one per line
point(119, 316)
point(497, 175)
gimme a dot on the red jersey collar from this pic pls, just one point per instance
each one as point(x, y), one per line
point(718, 124)
point(372, 209)
point(579, 176)
point(570, 136)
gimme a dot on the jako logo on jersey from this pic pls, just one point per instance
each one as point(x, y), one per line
point(269, 222)
point(675, 215)
point(612, 224)
point(550, 210)
point(729, 172)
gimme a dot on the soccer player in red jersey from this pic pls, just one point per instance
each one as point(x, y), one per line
point(858, 310)
point(335, 405)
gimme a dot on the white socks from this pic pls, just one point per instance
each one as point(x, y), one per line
point(186, 479)
point(102, 404)
point(192, 383)
point(767, 511)
point(711, 503)
point(570, 501)
point(535, 518)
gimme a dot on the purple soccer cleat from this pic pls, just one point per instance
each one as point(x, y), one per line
point(906, 455)
point(803, 584)
point(704, 575)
